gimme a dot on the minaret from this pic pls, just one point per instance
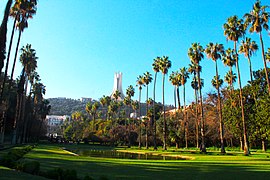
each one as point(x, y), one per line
point(118, 85)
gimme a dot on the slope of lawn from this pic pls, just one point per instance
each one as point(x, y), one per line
point(213, 166)
point(10, 174)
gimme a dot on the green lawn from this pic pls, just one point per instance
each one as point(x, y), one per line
point(210, 166)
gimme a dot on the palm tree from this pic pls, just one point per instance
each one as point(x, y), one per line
point(195, 54)
point(258, 19)
point(127, 102)
point(3, 34)
point(164, 65)
point(29, 61)
point(214, 52)
point(233, 30)
point(184, 75)
point(140, 83)
point(230, 78)
point(229, 60)
point(175, 80)
point(3, 40)
point(22, 11)
point(147, 79)
point(155, 66)
point(267, 55)
point(248, 48)
point(194, 84)
point(103, 103)
point(116, 95)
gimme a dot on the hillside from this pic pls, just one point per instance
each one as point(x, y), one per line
point(65, 106)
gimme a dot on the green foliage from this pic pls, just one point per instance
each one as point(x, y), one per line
point(61, 174)
point(9, 159)
point(31, 167)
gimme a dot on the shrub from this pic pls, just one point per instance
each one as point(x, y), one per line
point(61, 174)
point(31, 167)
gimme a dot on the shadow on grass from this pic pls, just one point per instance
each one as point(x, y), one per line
point(147, 169)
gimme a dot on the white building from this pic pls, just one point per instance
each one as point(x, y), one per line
point(54, 123)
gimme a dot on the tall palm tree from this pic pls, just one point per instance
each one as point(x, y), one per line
point(214, 51)
point(3, 40)
point(155, 66)
point(164, 65)
point(194, 84)
point(140, 83)
point(29, 61)
point(22, 11)
point(174, 78)
point(184, 75)
point(233, 30)
point(195, 54)
point(3, 34)
point(258, 19)
point(248, 48)
point(147, 79)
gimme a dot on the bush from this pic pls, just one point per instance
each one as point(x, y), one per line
point(31, 167)
point(60, 174)
point(9, 159)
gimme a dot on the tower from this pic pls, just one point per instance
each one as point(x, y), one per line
point(118, 85)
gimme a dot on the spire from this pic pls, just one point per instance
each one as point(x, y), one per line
point(118, 85)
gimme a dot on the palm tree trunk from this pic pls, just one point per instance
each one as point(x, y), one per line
point(221, 128)
point(246, 148)
point(196, 114)
point(3, 85)
point(7, 62)
point(164, 120)
point(250, 69)
point(146, 123)
point(178, 97)
point(185, 114)
point(264, 63)
point(15, 57)
point(154, 113)
point(203, 148)
point(24, 119)
point(140, 121)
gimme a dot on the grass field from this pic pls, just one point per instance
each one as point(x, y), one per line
point(200, 166)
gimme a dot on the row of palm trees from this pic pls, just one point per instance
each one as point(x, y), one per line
point(234, 30)
point(29, 105)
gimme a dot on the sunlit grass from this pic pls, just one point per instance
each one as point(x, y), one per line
point(200, 166)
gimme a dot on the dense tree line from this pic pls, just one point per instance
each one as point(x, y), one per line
point(22, 106)
point(225, 117)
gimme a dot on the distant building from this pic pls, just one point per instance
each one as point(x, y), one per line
point(54, 123)
point(85, 100)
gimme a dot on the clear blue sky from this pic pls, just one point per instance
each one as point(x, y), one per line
point(80, 44)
